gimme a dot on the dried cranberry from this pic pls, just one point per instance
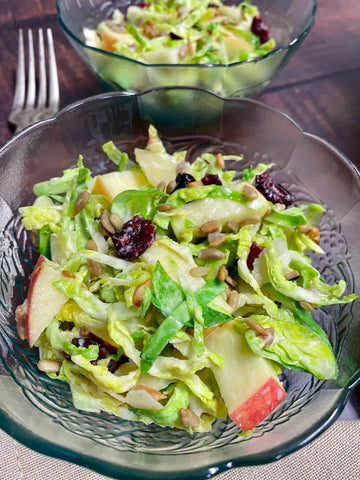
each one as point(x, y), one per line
point(210, 179)
point(274, 192)
point(105, 349)
point(254, 252)
point(134, 238)
point(183, 179)
point(259, 28)
point(144, 4)
point(173, 36)
point(213, 5)
point(113, 365)
point(256, 25)
point(81, 342)
point(97, 340)
point(66, 356)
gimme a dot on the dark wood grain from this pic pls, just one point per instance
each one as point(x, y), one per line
point(331, 48)
point(319, 88)
point(328, 107)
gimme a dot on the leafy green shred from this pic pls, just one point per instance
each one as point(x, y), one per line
point(197, 280)
point(120, 159)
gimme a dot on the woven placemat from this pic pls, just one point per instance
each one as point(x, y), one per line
point(335, 455)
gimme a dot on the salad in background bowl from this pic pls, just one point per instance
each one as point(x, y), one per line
point(42, 414)
point(193, 32)
point(137, 45)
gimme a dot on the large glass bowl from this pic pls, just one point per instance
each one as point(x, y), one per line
point(38, 411)
point(289, 21)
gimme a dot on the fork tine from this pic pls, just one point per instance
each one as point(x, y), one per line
point(19, 95)
point(42, 73)
point(54, 93)
point(30, 98)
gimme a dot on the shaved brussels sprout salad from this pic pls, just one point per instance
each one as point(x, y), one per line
point(184, 31)
point(172, 293)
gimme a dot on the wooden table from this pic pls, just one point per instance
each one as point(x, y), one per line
point(319, 88)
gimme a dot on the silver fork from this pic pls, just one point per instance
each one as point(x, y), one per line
point(32, 104)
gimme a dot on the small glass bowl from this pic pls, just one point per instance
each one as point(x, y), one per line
point(289, 22)
point(38, 411)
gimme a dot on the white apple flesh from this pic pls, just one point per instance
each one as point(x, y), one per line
point(44, 300)
point(110, 184)
point(248, 383)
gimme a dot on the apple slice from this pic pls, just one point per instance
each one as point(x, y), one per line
point(234, 45)
point(249, 384)
point(158, 167)
point(110, 184)
point(109, 40)
point(257, 407)
point(44, 300)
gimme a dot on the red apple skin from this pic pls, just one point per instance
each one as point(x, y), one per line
point(256, 408)
point(48, 299)
point(34, 275)
point(248, 383)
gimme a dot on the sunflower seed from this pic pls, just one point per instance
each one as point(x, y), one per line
point(305, 228)
point(279, 207)
point(182, 167)
point(220, 162)
point(306, 306)
point(211, 254)
point(91, 245)
point(222, 273)
point(210, 227)
point(104, 232)
point(190, 47)
point(267, 334)
point(105, 222)
point(199, 271)
point(81, 201)
point(197, 183)
point(255, 325)
point(291, 275)
point(67, 274)
point(251, 220)
point(171, 186)
point(234, 300)
point(165, 207)
point(233, 226)
point(151, 391)
point(116, 221)
point(231, 281)
point(138, 294)
point(95, 269)
point(84, 332)
point(48, 366)
point(161, 186)
point(94, 286)
point(314, 234)
point(189, 418)
point(216, 239)
point(250, 192)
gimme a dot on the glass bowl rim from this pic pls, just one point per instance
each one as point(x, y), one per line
point(293, 42)
point(20, 433)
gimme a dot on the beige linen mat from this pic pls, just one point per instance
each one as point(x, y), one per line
point(335, 455)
